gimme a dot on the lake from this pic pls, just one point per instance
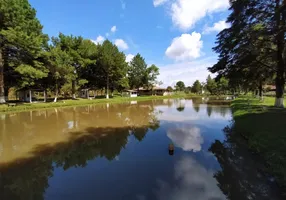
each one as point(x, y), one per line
point(120, 151)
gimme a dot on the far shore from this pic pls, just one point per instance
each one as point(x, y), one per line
point(22, 107)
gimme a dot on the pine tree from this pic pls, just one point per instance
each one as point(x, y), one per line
point(21, 45)
point(251, 50)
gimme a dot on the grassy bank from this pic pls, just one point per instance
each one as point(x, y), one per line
point(79, 102)
point(264, 127)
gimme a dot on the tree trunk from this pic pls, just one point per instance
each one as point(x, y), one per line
point(56, 92)
point(6, 93)
point(260, 91)
point(73, 90)
point(2, 93)
point(107, 88)
point(30, 96)
point(45, 96)
point(280, 79)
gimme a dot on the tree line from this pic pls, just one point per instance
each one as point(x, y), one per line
point(214, 86)
point(252, 50)
point(30, 59)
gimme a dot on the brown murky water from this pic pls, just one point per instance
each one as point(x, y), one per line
point(120, 151)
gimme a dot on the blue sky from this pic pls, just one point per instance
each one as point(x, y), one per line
point(175, 35)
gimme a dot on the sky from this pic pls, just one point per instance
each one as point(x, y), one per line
point(175, 35)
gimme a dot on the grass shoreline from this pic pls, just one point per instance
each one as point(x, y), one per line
point(81, 102)
point(264, 128)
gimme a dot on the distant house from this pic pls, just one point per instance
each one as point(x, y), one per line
point(28, 94)
point(157, 91)
point(130, 93)
point(269, 87)
point(87, 93)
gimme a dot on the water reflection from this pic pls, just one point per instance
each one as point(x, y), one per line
point(241, 176)
point(66, 137)
point(191, 181)
point(186, 137)
point(99, 152)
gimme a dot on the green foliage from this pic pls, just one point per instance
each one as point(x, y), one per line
point(112, 65)
point(169, 89)
point(22, 42)
point(65, 64)
point(211, 85)
point(180, 86)
point(137, 72)
point(197, 87)
point(251, 52)
point(152, 75)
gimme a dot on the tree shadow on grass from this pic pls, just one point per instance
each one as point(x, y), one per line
point(260, 150)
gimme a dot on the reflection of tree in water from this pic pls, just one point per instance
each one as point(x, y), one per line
point(209, 110)
point(180, 109)
point(196, 103)
point(27, 178)
point(180, 104)
point(139, 133)
point(239, 177)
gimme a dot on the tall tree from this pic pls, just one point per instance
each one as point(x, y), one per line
point(180, 86)
point(197, 87)
point(21, 42)
point(152, 75)
point(81, 53)
point(211, 85)
point(137, 72)
point(60, 66)
point(251, 50)
point(112, 65)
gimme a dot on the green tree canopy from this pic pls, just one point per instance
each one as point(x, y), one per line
point(197, 87)
point(152, 75)
point(112, 65)
point(211, 85)
point(180, 86)
point(169, 89)
point(137, 72)
point(21, 45)
point(252, 50)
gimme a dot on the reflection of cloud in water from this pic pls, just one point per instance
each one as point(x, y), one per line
point(188, 138)
point(192, 181)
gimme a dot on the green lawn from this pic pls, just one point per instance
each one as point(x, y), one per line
point(264, 127)
point(79, 102)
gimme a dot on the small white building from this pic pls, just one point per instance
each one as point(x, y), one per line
point(130, 93)
point(86, 93)
point(28, 95)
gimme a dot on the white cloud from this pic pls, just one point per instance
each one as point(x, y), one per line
point(188, 138)
point(217, 27)
point(159, 2)
point(186, 13)
point(129, 57)
point(99, 40)
point(113, 29)
point(187, 72)
point(191, 181)
point(185, 47)
point(121, 44)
